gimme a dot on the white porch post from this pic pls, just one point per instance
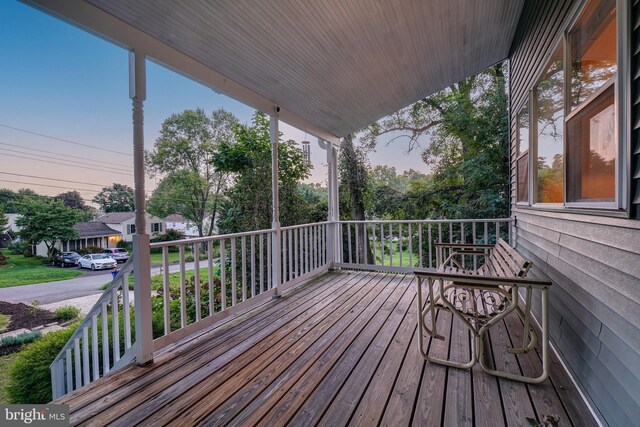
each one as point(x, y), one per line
point(276, 264)
point(333, 212)
point(141, 248)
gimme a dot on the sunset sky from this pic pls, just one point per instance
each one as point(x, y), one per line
point(64, 91)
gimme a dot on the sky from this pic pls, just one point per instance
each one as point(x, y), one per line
point(65, 112)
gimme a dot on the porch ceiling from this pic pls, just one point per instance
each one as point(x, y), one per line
point(338, 65)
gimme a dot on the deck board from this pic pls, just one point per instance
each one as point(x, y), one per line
point(340, 350)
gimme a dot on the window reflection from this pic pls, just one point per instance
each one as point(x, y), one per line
point(593, 151)
point(550, 122)
point(593, 50)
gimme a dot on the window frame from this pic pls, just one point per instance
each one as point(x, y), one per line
point(622, 107)
point(527, 104)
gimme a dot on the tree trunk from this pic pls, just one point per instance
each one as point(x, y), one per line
point(356, 180)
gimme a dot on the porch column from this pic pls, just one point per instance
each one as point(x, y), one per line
point(276, 265)
point(333, 211)
point(141, 241)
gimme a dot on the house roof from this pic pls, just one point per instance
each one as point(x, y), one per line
point(331, 66)
point(175, 218)
point(94, 229)
point(115, 217)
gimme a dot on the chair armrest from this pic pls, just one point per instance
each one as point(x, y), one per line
point(473, 280)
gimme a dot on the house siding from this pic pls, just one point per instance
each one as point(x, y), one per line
point(593, 261)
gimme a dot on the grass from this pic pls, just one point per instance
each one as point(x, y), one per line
point(5, 364)
point(174, 278)
point(4, 321)
point(174, 257)
point(21, 270)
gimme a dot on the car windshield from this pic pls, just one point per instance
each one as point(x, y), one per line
point(100, 256)
point(68, 253)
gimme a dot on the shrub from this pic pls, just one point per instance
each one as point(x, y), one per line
point(23, 338)
point(190, 258)
point(29, 377)
point(125, 245)
point(90, 250)
point(17, 248)
point(3, 258)
point(67, 312)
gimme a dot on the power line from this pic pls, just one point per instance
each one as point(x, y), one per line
point(65, 140)
point(51, 179)
point(66, 164)
point(87, 162)
point(48, 185)
point(59, 154)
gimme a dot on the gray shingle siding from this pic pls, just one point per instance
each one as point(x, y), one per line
point(594, 262)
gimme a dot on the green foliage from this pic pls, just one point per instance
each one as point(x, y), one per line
point(12, 200)
point(23, 338)
point(192, 185)
point(247, 205)
point(90, 250)
point(46, 221)
point(124, 245)
point(4, 321)
point(74, 200)
point(29, 376)
point(116, 198)
point(466, 126)
point(4, 221)
point(17, 247)
point(67, 312)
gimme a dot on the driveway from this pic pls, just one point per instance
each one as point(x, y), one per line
point(46, 293)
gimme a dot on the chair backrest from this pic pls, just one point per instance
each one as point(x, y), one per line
point(504, 261)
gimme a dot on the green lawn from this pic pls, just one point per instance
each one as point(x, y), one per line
point(25, 271)
point(174, 257)
point(174, 278)
point(5, 364)
point(4, 321)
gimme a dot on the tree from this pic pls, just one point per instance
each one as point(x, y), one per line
point(4, 221)
point(116, 198)
point(11, 200)
point(247, 205)
point(4, 225)
point(46, 221)
point(74, 200)
point(466, 126)
point(183, 153)
point(353, 184)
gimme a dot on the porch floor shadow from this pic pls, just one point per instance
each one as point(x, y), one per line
point(339, 350)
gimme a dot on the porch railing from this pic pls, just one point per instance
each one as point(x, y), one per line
point(103, 341)
point(404, 245)
point(204, 280)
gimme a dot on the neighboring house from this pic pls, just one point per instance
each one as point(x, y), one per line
point(93, 233)
point(179, 223)
point(5, 239)
point(38, 250)
point(124, 222)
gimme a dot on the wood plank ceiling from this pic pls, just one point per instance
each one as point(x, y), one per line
point(340, 64)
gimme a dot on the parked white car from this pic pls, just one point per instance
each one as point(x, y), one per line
point(97, 262)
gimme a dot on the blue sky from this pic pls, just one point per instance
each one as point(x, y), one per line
point(63, 82)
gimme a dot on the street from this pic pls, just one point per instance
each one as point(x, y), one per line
point(50, 292)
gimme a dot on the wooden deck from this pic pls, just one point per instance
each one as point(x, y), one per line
point(339, 350)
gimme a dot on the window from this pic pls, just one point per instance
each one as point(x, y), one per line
point(549, 105)
point(522, 146)
point(156, 227)
point(131, 229)
point(591, 127)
